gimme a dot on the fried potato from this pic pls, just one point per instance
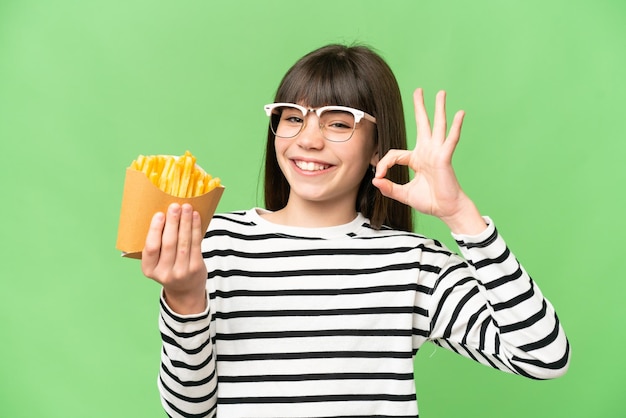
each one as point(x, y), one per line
point(178, 176)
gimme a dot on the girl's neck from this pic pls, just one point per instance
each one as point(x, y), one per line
point(309, 214)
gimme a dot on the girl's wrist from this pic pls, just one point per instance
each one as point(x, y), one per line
point(186, 303)
point(466, 221)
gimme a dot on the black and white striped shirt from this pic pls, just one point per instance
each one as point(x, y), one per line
point(324, 322)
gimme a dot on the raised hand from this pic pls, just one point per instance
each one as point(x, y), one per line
point(435, 189)
point(173, 258)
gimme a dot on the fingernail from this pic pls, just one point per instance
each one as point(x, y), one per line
point(174, 208)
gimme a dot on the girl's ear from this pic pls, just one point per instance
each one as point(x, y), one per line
point(375, 159)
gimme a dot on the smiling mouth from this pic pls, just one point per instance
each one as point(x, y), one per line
point(310, 166)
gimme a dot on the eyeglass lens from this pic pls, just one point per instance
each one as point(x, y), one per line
point(336, 125)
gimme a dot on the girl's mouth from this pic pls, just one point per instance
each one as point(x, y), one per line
point(310, 165)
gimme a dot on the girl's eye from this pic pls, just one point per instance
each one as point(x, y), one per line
point(337, 120)
point(339, 125)
point(293, 119)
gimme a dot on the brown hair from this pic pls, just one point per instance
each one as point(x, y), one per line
point(358, 77)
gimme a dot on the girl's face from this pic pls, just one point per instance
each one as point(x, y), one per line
point(322, 171)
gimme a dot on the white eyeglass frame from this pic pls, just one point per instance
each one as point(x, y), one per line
point(358, 114)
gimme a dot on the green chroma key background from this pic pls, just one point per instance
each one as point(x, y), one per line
point(86, 86)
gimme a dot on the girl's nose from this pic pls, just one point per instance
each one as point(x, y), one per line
point(311, 135)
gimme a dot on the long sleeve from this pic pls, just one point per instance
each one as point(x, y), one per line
point(511, 326)
point(187, 378)
point(306, 322)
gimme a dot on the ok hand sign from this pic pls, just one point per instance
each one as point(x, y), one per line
point(434, 190)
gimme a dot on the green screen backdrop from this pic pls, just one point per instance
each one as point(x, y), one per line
point(86, 86)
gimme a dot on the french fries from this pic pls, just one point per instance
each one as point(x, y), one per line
point(178, 176)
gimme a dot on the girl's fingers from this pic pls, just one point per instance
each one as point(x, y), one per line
point(455, 130)
point(421, 117)
point(393, 157)
point(152, 248)
point(172, 254)
point(183, 245)
point(169, 240)
point(391, 189)
point(440, 124)
point(388, 188)
point(197, 234)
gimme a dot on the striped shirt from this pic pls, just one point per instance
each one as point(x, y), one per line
point(325, 322)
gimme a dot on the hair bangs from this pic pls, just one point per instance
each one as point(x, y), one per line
point(325, 80)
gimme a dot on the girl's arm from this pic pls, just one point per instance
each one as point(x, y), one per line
point(490, 310)
point(187, 378)
point(172, 257)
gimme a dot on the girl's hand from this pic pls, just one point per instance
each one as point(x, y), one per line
point(434, 190)
point(173, 258)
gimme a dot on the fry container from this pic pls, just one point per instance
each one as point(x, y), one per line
point(141, 200)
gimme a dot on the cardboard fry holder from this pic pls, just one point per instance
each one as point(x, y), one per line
point(142, 199)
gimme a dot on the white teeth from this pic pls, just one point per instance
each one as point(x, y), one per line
point(310, 166)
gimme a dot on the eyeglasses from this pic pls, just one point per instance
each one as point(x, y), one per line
point(337, 123)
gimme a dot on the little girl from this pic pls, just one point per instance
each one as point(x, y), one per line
point(316, 305)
